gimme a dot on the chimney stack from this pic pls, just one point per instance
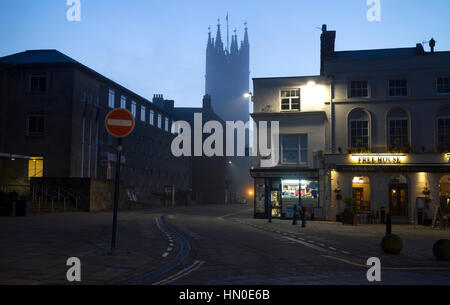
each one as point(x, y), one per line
point(327, 45)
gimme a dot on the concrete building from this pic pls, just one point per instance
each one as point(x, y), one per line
point(209, 180)
point(53, 118)
point(385, 128)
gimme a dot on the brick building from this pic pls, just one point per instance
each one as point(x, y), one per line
point(52, 125)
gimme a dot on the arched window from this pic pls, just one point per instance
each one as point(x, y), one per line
point(359, 129)
point(398, 130)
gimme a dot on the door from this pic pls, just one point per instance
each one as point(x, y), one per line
point(398, 199)
point(358, 195)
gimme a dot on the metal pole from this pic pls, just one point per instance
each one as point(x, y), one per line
point(116, 196)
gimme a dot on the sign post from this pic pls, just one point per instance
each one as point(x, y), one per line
point(119, 123)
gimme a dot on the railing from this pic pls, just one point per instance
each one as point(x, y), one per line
point(46, 197)
point(21, 189)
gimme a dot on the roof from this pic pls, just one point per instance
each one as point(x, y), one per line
point(380, 53)
point(52, 56)
point(38, 57)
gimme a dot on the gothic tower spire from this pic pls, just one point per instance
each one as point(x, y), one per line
point(219, 43)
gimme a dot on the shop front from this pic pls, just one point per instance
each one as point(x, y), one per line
point(277, 193)
point(409, 187)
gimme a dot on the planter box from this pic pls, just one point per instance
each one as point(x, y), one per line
point(349, 218)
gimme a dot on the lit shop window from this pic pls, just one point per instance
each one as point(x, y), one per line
point(36, 167)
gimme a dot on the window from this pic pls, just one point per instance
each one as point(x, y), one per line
point(444, 131)
point(294, 149)
point(152, 117)
point(143, 110)
point(290, 99)
point(111, 97)
point(38, 84)
point(398, 87)
point(159, 120)
point(359, 133)
point(443, 85)
point(36, 167)
point(35, 125)
point(398, 132)
point(133, 108)
point(123, 102)
point(359, 89)
point(166, 125)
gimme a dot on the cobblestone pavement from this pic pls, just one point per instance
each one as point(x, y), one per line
point(209, 245)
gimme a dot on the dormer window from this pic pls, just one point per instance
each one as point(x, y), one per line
point(290, 99)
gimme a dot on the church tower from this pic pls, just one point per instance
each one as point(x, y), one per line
point(228, 75)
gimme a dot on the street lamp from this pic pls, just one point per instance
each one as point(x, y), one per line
point(249, 95)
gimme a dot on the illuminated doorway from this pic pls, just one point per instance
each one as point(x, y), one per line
point(398, 196)
point(36, 167)
point(444, 194)
point(361, 193)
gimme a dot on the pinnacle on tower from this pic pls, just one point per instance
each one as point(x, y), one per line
point(219, 43)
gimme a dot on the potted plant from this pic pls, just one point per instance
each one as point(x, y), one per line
point(426, 191)
point(350, 216)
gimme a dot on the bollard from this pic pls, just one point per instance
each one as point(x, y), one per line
point(388, 224)
point(270, 212)
point(303, 217)
point(294, 217)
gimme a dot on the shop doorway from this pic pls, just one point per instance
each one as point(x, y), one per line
point(444, 194)
point(275, 198)
point(361, 193)
point(398, 196)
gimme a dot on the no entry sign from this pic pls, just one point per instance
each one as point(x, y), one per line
point(119, 123)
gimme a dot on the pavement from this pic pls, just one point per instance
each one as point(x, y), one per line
point(209, 245)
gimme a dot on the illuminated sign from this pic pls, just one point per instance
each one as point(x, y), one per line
point(381, 159)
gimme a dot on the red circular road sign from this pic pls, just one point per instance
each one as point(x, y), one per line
point(119, 123)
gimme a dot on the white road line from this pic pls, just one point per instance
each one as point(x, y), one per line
point(165, 254)
point(236, 213)
point(169, 249)
point(180, 274)
point(331, 248)
point(345, 252)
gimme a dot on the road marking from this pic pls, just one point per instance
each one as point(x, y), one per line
point(322, 245)
point(236, 213)
point(165, 254)
point(331, 248)
point(169, 249)
point(345, 252)
point(196, 265)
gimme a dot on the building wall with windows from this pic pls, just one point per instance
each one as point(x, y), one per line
point(55, 116)
point(298, 104)
point(389, 135)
